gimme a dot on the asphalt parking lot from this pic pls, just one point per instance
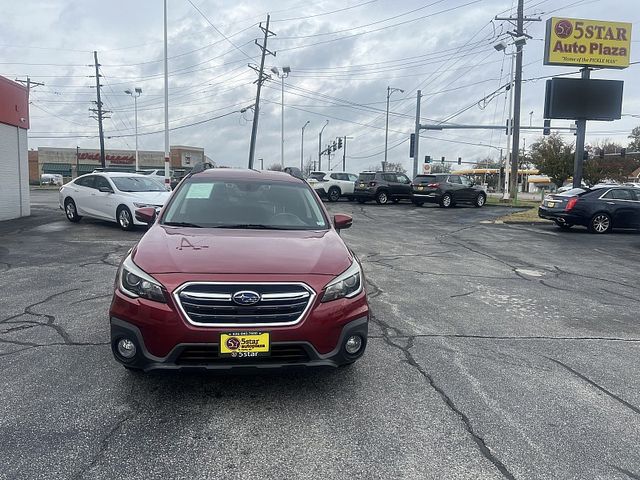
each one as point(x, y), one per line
point(496, 351)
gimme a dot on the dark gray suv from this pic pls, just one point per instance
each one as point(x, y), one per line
point(447, 190)
point(382, 187)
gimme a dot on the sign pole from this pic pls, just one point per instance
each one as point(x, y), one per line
point(580, 137)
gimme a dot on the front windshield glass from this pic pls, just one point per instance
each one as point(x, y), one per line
point(137, 184)
point(248, 205)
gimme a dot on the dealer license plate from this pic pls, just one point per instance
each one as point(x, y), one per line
point(244, 344)
point(420, 188)
point(551, 204)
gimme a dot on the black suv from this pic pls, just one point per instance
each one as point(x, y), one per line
point(447, 190)
point(382, 187)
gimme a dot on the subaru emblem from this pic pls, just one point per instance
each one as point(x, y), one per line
point(246, 297)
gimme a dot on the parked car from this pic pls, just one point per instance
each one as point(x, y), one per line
point(176, 178)
point(600, 210)
point(447, 190)
point(112, 196)
point(333, 185)
point(155, 173)
point(242, 269)
point(51, 179)
point(382, 187)
point(632, 184)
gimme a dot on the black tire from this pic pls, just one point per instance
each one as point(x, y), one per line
point(71, 211)
point(124, 218)
point(446, 201)
point(600, 223)
point(417, 203)
point(563, 226)
point(382, 197)
point(361, 200)
point(480, 200)
point(333, 195)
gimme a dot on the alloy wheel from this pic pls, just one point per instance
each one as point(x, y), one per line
point(70, 210)
point(124, 218)
point(601, 223)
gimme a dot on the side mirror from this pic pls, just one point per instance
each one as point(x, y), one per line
point(341, 221)
point(105, 190)
point(146, 215)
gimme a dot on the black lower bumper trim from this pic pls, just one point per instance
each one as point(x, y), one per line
point(205, 356)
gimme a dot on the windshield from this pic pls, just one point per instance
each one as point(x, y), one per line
point(137, 184)
point(248, 205)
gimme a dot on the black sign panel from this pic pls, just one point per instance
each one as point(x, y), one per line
point(579, 98)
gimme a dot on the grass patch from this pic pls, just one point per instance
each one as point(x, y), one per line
point(526, 216)
point(510, 203)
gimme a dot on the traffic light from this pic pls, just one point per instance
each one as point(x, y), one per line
point(506, 131)
point(427, 159)
point(334, 146)
point(601, 153)
point(339, 143)
point(547, 128)
point(443, 160)
point(623, 152)
point(459, 160)
point(412, 144)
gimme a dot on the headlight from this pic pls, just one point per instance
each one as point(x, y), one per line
point(134, 282)
point(348, 284)
point(142, 205)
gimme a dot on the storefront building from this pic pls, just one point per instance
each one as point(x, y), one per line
point(71, 162)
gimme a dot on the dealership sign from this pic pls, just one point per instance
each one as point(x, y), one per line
point(592, 43)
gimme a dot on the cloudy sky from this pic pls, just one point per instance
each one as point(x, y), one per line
point(342, 54)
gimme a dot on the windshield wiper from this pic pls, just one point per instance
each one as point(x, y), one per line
point(182, 224)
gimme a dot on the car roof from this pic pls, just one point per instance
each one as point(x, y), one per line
point(246, 174)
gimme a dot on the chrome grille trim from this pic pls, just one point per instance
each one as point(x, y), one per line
point(308, 296)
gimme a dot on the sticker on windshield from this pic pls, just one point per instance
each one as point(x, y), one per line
point(199, 190)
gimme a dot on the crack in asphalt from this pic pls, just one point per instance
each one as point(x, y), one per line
point(463, 294)
point(103, 260)
point(595, 385)
point(466, 421)
point(410, 360)
point(592, 277)
point(626, 472)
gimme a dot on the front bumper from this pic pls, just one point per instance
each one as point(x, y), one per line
point(204, 356)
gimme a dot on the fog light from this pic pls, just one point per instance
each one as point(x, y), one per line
point(353, 344)
point(126, 348)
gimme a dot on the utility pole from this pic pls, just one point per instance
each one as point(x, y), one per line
point(320, 145)
point(344, 154)
point(98, 110)
point(417, 135)
point(390, 91)
point(517, 34)
point(29, 84)
point(302, 147)
point(167, 160)
point(262, 77)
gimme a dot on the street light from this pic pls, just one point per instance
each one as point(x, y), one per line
point(285, 73)
point(320, 145)
point(302, 147)
point(135, 94)
point(390, 92)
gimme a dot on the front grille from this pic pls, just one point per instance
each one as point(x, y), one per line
point(212, 304)
point(209, 355)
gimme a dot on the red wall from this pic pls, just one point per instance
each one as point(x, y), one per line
point(14, 103)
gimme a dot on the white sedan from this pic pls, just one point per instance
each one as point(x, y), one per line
point(112, 196)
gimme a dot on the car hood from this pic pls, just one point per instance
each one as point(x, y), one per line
point(166, 249)
point(152, 198)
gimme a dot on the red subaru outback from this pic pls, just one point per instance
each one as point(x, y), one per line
point(242, 269)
